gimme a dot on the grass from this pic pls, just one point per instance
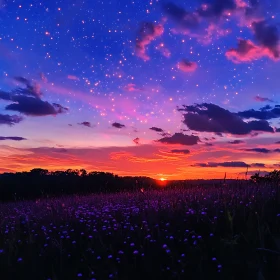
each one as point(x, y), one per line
point(226, 232)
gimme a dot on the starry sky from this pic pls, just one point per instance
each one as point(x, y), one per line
point(175, 90)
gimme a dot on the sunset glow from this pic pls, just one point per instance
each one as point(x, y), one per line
point(169, 90)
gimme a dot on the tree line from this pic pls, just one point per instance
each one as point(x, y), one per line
point(41, 183)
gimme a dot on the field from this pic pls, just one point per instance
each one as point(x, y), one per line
point(225, 232)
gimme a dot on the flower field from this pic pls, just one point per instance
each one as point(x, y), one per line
point(225, 232)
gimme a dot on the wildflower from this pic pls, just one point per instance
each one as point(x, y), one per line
point(19, 260)
point(135, 252)
point(79, 274)
point(214, 259)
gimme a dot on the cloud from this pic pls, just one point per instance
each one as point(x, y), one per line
point(184, 19)
point(235, 142)
point(258, 150)
point(10, 120)
point(208, 117)
point(157, 129)
point(31, 89)
point(262, 150)
point(263, 99)
point(136, 141)
point(131, 87)
point(180, 151)
point(118, 125)
point(87, 124)
point(147, 33)
point(14, 138)
point(34, 106)
point(72, 77)
point(180, 138)
point(247, 51)
point(28, 100)
point(265, 113)
point(268, 37)
point(258, 165)
point(223, 164)
point(217, 8)
point(187, 66)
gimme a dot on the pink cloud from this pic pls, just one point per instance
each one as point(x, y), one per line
point(247, 51)
point(148, 32)
point(72, 77)
point(163, 50)
point(131, 87)
point(187, 66)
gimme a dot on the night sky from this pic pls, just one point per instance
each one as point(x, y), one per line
point(181, 89)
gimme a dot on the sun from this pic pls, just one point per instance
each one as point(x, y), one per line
point(162, 179)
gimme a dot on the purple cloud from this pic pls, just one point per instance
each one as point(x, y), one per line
point(87, 124)
point(180, 138)
point(208, 117)
point(10, 120)
point(118, 125)
point(14, 138)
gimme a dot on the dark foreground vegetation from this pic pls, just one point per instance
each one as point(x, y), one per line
point(225, 232)
point(78, 225)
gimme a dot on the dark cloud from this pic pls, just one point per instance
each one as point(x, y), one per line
point(157, 129)
point(87, 124)
point(185, 151)
point(183, 18)
point(217, 8)
point(268, 36)
point(223, 164)
point(278, 142)
point(34, 106)
point(277, 130)
point(147, 33)
point(258, 165)
point(263, 99)
point(10, 120)
point(28, 100)
point(262, 150)
point(247, 51)
point(187, 66)
point(208, 117)
point(265, 113)
point(136, 141)
point(180, 138)
point(32, 89)
point(236, 142)
point(14, 138)
point(118, 125)
point(208, 144)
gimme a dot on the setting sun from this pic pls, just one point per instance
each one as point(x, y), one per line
point(162, 179)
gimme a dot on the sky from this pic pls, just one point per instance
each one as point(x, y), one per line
point(175, 90)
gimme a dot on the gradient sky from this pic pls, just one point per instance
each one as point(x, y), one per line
point(154, 88)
